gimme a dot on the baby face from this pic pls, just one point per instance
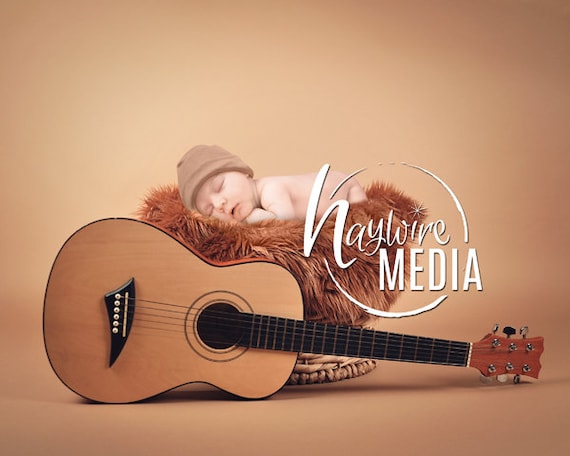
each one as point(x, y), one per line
point(229, 196)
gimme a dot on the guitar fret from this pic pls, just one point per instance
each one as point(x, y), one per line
point(408, 353)
point(458, 353)
point(466, 359)
point(313, 338)
point(298, 345)
point(359, 342)
point(303, 335)
point(416, 349)
point(275, 333)
point(442, 354)
point(385, 345)
point(423, 350)
point(324, 338)
point(401, 350)
point(259, 328)
point(379, 347)
point(340, 339)
point(293, 336)
point(258, 331)
point(251, 331)
point(393, 346)
point(279, 334)
point(366, 337)
point(266, 332)
point(283, 334)
point(305, 338)
point(335, 339)
point(354, 342)
point(313, 332)
point(258, 323)
point(329, 340)
point(347, 342)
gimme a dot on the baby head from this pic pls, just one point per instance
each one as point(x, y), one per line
point(216, 182)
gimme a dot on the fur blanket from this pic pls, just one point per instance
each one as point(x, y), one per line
point(282, 242)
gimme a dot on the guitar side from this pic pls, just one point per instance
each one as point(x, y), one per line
point(163, 349)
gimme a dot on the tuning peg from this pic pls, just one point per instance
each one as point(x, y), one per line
point(502, 378)
point(495, 328)
point(485, 380)
point(523, 331)
point(509, 331)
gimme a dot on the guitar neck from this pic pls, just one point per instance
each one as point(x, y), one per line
point(284, 334)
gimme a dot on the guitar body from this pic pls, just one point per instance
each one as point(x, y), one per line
point(162, 346)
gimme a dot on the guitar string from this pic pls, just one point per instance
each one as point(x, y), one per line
point(438, 346)
point(442, 355)
point(367, 351)
point(462, 361)
point(448, 346)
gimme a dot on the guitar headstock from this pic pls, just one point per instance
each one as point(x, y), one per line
point(499, 356)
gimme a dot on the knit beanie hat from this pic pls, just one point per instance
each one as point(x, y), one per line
point(199, 164)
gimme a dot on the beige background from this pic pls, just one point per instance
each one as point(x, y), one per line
point(99, 100)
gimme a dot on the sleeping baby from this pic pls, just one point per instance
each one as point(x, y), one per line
point(219, 184)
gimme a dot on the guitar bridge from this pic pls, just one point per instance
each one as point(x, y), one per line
point(120, 305)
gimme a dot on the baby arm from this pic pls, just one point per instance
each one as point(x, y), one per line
point(274, 200)
point(258, 214)
point(280, 210)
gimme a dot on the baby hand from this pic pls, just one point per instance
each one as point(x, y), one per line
point(258, 214)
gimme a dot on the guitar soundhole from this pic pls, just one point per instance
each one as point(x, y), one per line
point(219, 326)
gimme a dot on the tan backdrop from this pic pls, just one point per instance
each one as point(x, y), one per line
point(100, 99)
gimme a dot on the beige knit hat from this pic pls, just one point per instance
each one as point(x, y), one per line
point(199, 164)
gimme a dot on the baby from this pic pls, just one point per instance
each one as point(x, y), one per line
point(219, 184)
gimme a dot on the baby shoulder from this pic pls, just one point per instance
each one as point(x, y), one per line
point(272, 185)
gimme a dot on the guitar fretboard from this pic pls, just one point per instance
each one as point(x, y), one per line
point(284, 334)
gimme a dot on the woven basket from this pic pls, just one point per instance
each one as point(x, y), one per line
point(326, 368)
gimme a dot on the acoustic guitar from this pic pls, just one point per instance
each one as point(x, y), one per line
point(130, 312)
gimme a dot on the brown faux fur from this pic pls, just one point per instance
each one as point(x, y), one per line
point(282, 242)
